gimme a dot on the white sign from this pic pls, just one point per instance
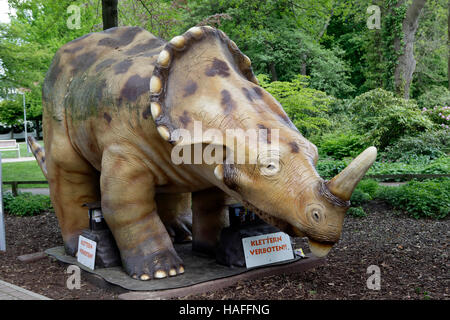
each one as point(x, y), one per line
point(86, 252)
point(267, 248)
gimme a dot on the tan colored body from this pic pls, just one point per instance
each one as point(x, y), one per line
point(112, 101)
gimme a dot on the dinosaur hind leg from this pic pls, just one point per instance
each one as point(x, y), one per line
point(176, 214)
point(72, 183)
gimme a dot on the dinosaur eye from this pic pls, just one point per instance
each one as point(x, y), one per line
point(270, 169)
point(316, 215)
point(269, 163)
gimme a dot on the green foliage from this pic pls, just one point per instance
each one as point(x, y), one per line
point(439, 115)
point(436, 166)
point(428, 199)
point(329, 168)
point(382, 118)
point(356, 212)
point(424, 147)
point(368, 186)
point(391, 35)
point(26, 204)
point(434, 96)
point(340, 145)
point(306, 107)
point(431, 51)
point(11, 111)
point(280, 36)
point(359, 197)
point(28, 44)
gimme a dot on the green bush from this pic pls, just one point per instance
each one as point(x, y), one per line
point(368, 186)
point(306, 107)
point(26, 204)
point(429, 198)
point(382, 118)
point(426, 146)
point(435, 96)
point(329, 168)
point(357, 212)
point(440, 115)
point(359, 197)
point(341, 145)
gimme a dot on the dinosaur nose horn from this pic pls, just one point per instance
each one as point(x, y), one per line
point(345, 182)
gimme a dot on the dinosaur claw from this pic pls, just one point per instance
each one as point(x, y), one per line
point(145, 277)
point(160, 274)
point(172, 272)
point(181, 270)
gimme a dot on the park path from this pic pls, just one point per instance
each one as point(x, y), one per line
point(9, 291)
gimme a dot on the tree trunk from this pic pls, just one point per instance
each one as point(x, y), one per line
point(406, 62)
point(273, 71)
point(109, 14)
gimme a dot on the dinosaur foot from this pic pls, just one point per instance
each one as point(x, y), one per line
point(180, 230)
point(157, 265)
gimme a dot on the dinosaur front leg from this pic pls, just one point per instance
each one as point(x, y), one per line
point(129, 208)
point(209, 217)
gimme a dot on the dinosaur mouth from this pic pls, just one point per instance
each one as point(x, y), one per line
point(276, 222)
point(318, 249)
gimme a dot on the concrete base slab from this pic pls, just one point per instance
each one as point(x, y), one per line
point(294, 267)
point(202, 274)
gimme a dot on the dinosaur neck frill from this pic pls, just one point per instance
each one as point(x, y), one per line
point(187, 71)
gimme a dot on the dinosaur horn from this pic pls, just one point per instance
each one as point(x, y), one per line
point(345, 182)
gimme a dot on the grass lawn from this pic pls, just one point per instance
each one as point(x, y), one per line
point(23, 151)
point(19, 171)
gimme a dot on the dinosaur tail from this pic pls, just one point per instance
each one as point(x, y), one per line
point(39, 154)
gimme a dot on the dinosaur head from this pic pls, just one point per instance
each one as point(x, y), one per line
point(207, 103)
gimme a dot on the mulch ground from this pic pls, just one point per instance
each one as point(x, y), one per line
point(412, 256)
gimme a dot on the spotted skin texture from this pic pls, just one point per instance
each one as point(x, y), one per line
point(107, 138)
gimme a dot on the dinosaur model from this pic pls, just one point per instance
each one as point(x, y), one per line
point(117, 103)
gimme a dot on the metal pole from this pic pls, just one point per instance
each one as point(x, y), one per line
point(25, 122)
point(2, 220)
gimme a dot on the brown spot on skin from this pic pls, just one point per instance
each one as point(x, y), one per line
point(258, 91)
point(123, 66)
point(100, 89)
point(148, 45)
point(218, 68)
point(146, 113)
point(151, 53)
point(104, 64)
point(134, 87)
point(294, 147)
point(185, 119)
point(227, 102)
point(268, 136)
point(107, 117)
point(252, 95)
point(55, 69)
point(124, 39)
point(83, 61)
point(190, 89)
point(247, 94)
point(73, 50)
